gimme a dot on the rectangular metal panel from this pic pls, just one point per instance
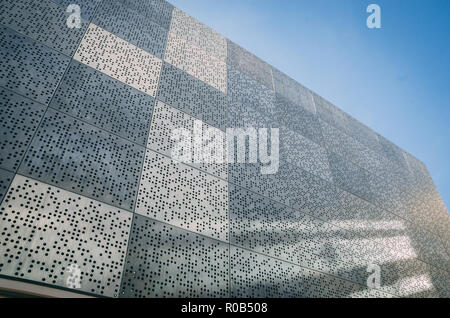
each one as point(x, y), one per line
point(159, 11)
point(19, 119)
point(104, 102)
point(71, 231)
point(127, 24)
point(29, 68)
point(165, 261)
point(81, 158)
point(43, 21)
point(119, 59)
point(183, 196)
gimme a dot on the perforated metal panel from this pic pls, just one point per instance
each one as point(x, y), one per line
point(246, 62)
point(293, 91)
point(196, 98)
point(166, 120)
point(43, 21)
point(183, 196)
point(137, 29)
point(19, 119)
point(5, 180)
point(87, 6)
point(40, 68)
point(81, 158)
point(119, 59)
point(165, 261)
point(159, 11)
point(58, 228)
point(104, 102)
point(258, 276)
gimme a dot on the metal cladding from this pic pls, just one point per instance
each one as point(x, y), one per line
point(87, 178)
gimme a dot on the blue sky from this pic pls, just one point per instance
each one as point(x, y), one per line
point(395, 79)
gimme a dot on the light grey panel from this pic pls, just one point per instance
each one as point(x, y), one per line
point(164, 261)
point(81, 158)
point(183, 196)
point(70, 230)
point(19, 119)
point(43, 21)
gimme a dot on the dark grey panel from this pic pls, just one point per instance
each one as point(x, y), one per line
point(180, 90)
point(5, 180)
point(104, 102)
point(350, 177)
point(298, 119)
point(121, 20)
point(81, 158)
point(19, 119)
point(87, 6)
point(331, 114)
point(246, 62)
point(363, 134)
point(70, 230)
point(246, 90)
point(159, 11)
point(164, 261)
point(293, 91)
point(43, 21)
point(29, 68)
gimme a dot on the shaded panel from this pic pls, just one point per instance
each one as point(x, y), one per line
point(164, 261)
point(159, 11)
point(104, 102)
point(43, 21)
point(87, 6)
point(131, 26)
point(29, 68)
point(167, 120)
point(257, 276)
point(183, 196)
point(196, 98)
point(19, 119)
point(298, 119)
point(248, 63)
point(42, 244)
point(81, 158)
point(5, 180)
point(119, 59)
point(293, 91)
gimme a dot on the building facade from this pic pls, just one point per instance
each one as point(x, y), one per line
point(92, 202)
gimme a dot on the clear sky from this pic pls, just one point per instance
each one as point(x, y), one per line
point(395, 79)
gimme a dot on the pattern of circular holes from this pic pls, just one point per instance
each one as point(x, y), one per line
point(87, 6)
point(104, 102)
point(119, 59)
point(84, 159)
point(45, 229)
point(183, 196)
point(257, 276)
point(43, 21)
point(196, 98)
point(29, 68)
point(164, 261)
point(19, 119)
point(119, 19)
point(165, 120)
